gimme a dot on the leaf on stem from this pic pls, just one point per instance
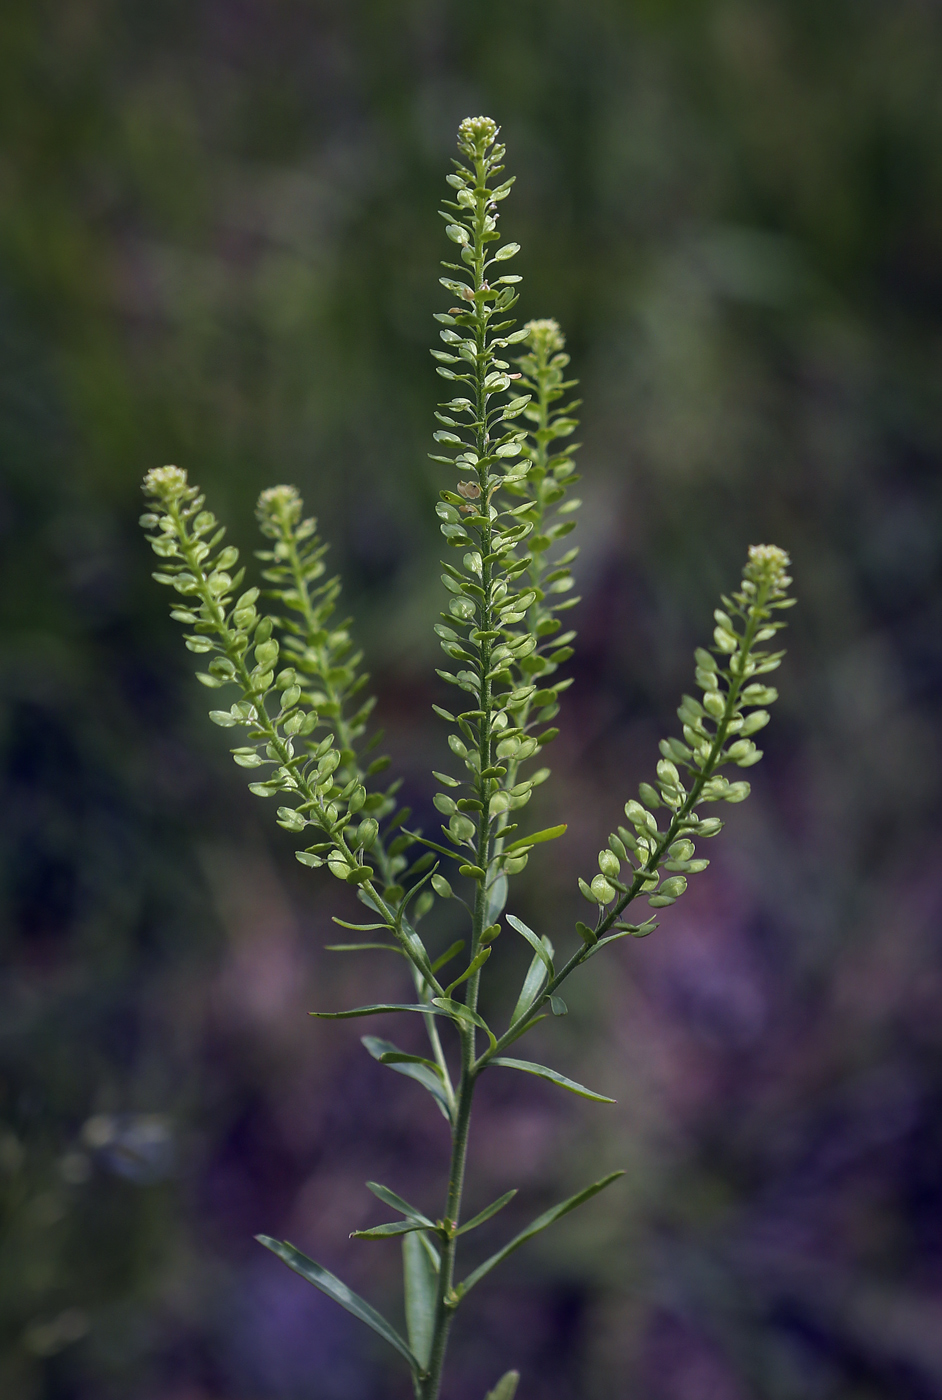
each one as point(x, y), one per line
point(389, 1198)
point(382, 1232)
point(548, 1217)
point(535, 943)
point(488, 1211)
point(551, 833)
point(529, 1067)
point(420, 1278)
point(332, 1286)
point(424, 1072)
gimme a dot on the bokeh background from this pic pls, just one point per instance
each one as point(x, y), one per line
point(218, 246)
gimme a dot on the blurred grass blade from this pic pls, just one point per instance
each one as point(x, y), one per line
point(548, 1217)
point(488, 1211)
point(379, 1007)
point(420, 1278)
point(529, 1067)
point(332, 1286)
point(506, 1387)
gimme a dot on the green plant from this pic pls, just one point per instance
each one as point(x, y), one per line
point(301, 705)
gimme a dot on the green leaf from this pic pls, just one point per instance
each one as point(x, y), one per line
point(383, 1232)
point(359, 928)
point(506, 1387)
point(496, 899)
point(423, 1071)
point(341, 1294)
point(548, 1217)
point(389, 1198)
point(530, 990)
point(554, 1077)
point(420, 1278)
point(425, 1009)
point(459, 1012)
point(534, 942)
point(550, 833)
point(488, 1211)
point(448, 954)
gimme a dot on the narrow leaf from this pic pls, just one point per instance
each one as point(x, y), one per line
point(447, 956)
point(553, 1076)
point(534, 942)
point(494, 1207)
point(548, 1217)
point(360, 928)
point(459, 1012)
point(530, 990)
point(496, 899)
point(470, 970)
point(341, 1294)
point(425, 1008)
point(551, 833)
point(389, 1198)
point(382, 1232)
point(423, 1071)
point(420, 1278)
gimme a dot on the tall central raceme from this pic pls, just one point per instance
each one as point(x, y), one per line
point(505, 515)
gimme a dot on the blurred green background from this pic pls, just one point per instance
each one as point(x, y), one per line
point(218, 247)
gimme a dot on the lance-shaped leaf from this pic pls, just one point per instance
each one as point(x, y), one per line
point(382, 1232)
point(332, 1286)
point(420, 1277)
point(532, 983)
point(488, 1211)
point(459, 1012)
point(424, 1009)
point(553, 1076)
point(535, 943)
point(389, 1198)
point(542, 1221)
point(551, 833)
point(424, 1072)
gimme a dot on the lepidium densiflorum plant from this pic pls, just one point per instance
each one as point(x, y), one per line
point(303, 722)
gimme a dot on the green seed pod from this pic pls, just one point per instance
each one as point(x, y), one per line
point(710, 827)
point(461, 828)
point(357, 798)
point(673, 887)
point(367, 832)
point(648, 795)
point(441, 886)
point(609, 864)
point(618, 846)
point(604, 892)
point(681, 850)
point(667, 772)
point(737, 792)
point(714, 703)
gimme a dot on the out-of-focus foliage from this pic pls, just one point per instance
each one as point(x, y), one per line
point(217, 247)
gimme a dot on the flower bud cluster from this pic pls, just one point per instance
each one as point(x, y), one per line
point(717, 731)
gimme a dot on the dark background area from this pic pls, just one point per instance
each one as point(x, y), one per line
point(218, 247)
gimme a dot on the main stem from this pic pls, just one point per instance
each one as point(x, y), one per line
point(447, 1300)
